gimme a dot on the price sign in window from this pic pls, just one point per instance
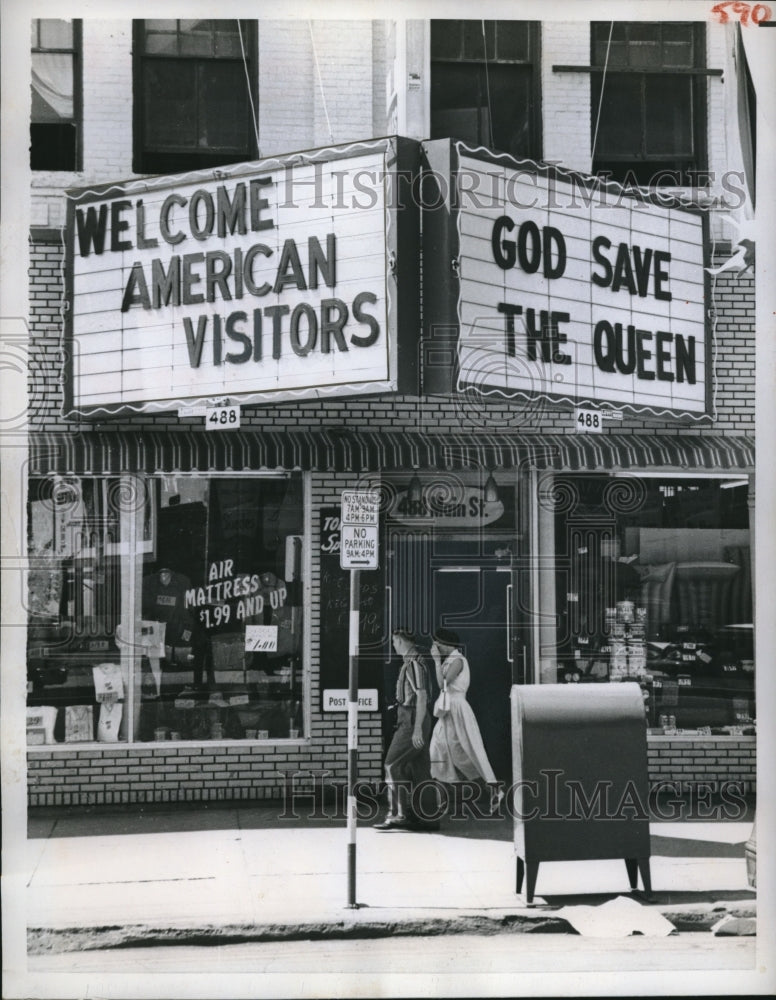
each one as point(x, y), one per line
point(261, 638)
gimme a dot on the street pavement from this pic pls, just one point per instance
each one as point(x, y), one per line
point(98, 878)
point(458, 963)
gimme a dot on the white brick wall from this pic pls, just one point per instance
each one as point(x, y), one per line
point(343, 93)
point(296, 94)
point(379, 74)
point(717, 39)
point(107, 76)
point(566, 96)
point(286, 80)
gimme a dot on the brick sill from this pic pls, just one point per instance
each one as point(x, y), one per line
point(691, 737)
point(177, 744)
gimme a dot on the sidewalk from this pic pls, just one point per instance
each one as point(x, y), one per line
point(101, 878)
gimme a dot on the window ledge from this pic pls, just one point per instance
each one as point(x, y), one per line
point(687, 737)
point(277, 741)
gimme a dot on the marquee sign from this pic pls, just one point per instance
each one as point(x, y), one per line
point(575, 291)
point(261, 282)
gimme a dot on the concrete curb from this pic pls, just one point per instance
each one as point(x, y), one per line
point(42, 941)
point(703, 918)
point(55, 940)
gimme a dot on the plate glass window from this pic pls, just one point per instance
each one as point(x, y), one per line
point(654, 585)
point(56, 94)
point(166, 607)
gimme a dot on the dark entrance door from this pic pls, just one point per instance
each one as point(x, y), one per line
point(477, 602)
point(463, 585)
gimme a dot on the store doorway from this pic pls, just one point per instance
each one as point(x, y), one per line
point(477, 603)
point(453, 583)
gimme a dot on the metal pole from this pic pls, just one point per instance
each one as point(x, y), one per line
point(355, 576)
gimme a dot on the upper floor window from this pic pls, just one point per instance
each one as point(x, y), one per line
point(193, 107)
point(56, 95)
point(650, 126)
point(485, 84)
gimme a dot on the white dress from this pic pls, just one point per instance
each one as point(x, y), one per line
point(456, 749)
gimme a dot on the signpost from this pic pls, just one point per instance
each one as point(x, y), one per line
point(358, 550)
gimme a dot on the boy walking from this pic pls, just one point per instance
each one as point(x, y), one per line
point(407, 762)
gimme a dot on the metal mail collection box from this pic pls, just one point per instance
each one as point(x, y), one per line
point(579, 759)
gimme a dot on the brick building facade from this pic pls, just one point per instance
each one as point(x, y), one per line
point(351, 82)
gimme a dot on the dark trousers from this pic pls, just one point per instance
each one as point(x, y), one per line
point(407, 766)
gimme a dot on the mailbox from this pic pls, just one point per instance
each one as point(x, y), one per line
point(579, 757)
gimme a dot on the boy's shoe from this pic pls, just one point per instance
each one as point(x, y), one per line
point(393, 823)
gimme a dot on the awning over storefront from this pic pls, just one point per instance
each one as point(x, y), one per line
point(343, 450)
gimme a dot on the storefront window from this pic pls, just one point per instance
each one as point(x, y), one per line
point(208, 572)
point(653, 584)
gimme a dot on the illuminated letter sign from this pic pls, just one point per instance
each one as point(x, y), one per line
point(263, 281)
point(574, 290)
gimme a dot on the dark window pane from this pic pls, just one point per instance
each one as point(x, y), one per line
point(644, 31)
point(669, 116)
point(510, 101)
point(195, 25)
point(473, 42)
point(512, 40)
point(170, 113)
point(56, 34)
point(161, 43)
point(196, 43)
point(678, 32)
point(454, 86)
point(460, 106)
point(678, 54)
point(446, 39)
point(227, 44)
point(601, 31)
point(618, 54)
point(645, 55)
point(53, 146)
point(161, 24)
point(225, 112)
point(619, 130)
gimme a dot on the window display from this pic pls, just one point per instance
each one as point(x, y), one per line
point(210, 571)
point(653, 584)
